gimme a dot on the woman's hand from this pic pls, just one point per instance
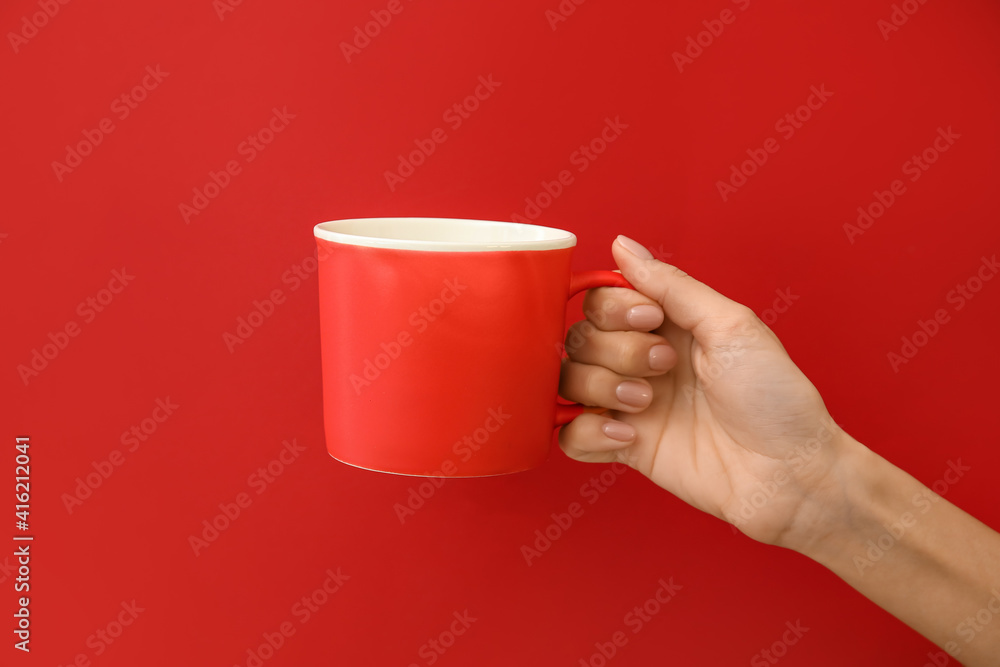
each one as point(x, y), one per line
point(705, 402)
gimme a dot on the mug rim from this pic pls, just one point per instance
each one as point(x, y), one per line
point(508, 236)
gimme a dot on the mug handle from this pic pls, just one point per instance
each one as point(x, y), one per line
point(578, 282)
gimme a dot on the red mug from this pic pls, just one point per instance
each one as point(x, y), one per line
point(441, 342)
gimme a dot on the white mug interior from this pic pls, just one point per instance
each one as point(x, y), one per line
point(443, 234)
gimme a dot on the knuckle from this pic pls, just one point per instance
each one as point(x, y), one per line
point(747, 321)
point(675, 271)
point(599, 315)
point(593, 387)
point(739, 323)
point(630, 357)
point(605, 306)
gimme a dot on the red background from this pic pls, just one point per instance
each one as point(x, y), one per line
point(162, 336)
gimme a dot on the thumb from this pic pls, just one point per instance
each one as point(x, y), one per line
point(688, 303)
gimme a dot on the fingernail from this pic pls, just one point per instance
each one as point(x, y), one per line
point(634, 247)
point(635, 394)
point(619, 431)
point(659, 358)
point(644, 318)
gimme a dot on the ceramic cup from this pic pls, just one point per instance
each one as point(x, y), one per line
point(442, 342)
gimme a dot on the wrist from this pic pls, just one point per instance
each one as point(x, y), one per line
point(852, 495)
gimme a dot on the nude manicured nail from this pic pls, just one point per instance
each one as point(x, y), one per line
point(659, 358)
point(619, 431)
point(635, 394)
point(644, 318)
point(634, 247)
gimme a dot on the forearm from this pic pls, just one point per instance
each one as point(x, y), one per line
point(913, 553)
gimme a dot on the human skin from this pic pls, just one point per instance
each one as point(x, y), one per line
point(703, 399)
